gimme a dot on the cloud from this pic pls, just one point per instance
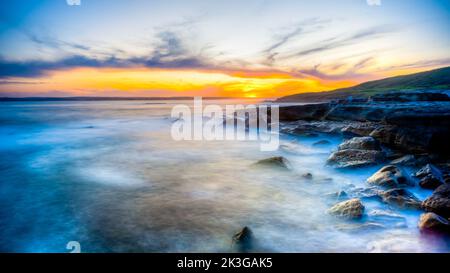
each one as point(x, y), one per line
point(304, 27)
point(337, 42)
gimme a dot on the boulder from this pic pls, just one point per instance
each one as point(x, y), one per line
point(389, 176)
point(432, 222)
point(243, 239)
point(355, 158)
point(350, 209)
point(430, 177)
point(360, 143)
point(276, 162)
point(439, 201)
point(401, 198)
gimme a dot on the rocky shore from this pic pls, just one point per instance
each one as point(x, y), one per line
point(407, 132)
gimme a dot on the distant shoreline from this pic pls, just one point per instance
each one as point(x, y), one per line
point(7, 99)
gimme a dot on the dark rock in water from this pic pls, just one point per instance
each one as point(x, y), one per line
point(430, 182)
point(244, 239)
point(411, 160)
point(360, 227)
point(277, 162)
point(338, 196)
point(401, 198)
point(439, 201)
point(432, 222)
point(409, 97)
point(322, 143)
point(308, 176)
point(360, 143)
point(302, 127)
point(415, 139)
point(359, 129)
point(366, 193)
point(387, 217)
point(300, 132)
point(351, 209)
point(304, 112)
point(429, 169)
point(430, 177)
point(354, 158)
point(389, 176)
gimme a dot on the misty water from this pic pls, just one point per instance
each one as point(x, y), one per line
point(109, 175)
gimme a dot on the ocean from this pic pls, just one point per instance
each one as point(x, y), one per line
point(108, 175)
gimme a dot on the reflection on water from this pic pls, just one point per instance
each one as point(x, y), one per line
point(108, 174)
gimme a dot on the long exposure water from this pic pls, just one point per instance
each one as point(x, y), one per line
point(108, 175)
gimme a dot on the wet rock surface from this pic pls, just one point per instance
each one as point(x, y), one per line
point(274, 162)
point(243, 241)
point(360, 143)
point(400, 198)
point(430, 177)
point(432, 222)
point(351, 209)
point(352, 158)
point(439, 201)
point(389, 176)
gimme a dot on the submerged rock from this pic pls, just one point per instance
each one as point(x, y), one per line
point(432, 222)
point(439, 201)
point(389, 176)
point(338, 196)
point(401, 198)
point(243, 240)
point(354, 158)
point(308, 176)
point(351, 209)
point(276, 162)
point(360, 143)
point(430, 177)
point(322, 143)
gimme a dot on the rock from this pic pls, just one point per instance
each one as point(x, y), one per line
point(322, 143)
point(413, 96)
point(244, 239)
point(407, 160)
point(429, 169)
point(401, 198)
point(388, 217)
point(430, 177)
point(354, 158)
point(365, 193)
point(360, 227)
point(360, 143)
point(389, 176)
point(304, 112)
point(338, 196)
point(351, 209)
point(358, 129)
point(439, 201)
point(277, 162)
point(308, 176)
point(432, 222)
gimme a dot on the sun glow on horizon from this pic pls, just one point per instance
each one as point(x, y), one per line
point(159, 82)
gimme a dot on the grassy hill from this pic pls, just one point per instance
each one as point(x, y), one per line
point(435, 79)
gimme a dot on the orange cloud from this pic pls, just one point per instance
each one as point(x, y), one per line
point(145, 82)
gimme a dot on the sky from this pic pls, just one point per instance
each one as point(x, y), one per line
point(227, 48)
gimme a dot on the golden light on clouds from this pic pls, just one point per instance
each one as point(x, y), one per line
point(171, 82)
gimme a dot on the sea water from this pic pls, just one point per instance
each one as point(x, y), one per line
point(108, 175)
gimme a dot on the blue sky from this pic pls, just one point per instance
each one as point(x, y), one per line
point(328, 40)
